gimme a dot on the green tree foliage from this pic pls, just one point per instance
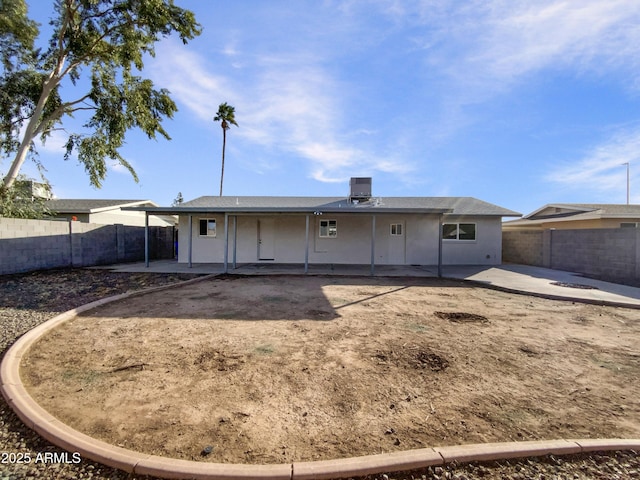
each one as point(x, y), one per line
point(102, 42)
point(227, 116)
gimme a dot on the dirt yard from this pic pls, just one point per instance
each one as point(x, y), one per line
point(281, 369)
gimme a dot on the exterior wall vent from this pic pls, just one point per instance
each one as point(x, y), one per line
point(360, 188)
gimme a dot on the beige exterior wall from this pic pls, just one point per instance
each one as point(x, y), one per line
point(116, 217)
point(574, 224)
point(418, 244)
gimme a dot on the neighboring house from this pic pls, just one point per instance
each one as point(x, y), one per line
point(107, 212)
point(359, 229)
point(563, 216)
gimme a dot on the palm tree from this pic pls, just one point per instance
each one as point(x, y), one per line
point(226, 115)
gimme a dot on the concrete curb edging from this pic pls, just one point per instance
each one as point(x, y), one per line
point(47, 426)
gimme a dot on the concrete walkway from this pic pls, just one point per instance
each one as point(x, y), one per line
point(548, 283)
point(517, 278)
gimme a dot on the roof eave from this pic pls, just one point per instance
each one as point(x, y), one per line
point(286, 210)
point(121, 206)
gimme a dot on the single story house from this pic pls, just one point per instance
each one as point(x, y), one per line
point(106, 212)
point(562, 216)
point(358, 229)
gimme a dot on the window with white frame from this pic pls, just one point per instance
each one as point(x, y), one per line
point(396, 229)
point(328, 228)
point(207, 227)
point(459, 231)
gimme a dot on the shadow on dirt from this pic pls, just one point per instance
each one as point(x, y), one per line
point(286, 297)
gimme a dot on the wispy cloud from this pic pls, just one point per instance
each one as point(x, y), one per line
point(184, 73)
point(291, 96)
point(302, 110)
point(477, 50)
point(601, 170)
point(586, 35)
point(293, 105)
point(486, 46)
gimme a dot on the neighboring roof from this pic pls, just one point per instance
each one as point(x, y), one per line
point(602, 210)
point(233, 204)
point(564, 212)
point(65, 205)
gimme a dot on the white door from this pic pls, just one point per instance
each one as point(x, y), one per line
point(266, 239)
point(396, 253)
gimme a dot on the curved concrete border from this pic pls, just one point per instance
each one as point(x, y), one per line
point(56, 432)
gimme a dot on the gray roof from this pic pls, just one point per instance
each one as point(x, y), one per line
point(602, 209)
point(72, 205)
point(244, 204)
point(559, 212)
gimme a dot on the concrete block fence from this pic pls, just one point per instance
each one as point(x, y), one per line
point(609, 253)
point(28, 245)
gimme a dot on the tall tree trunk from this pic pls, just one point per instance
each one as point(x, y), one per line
point(224, 144)
point(34, 124)
point(29, 134)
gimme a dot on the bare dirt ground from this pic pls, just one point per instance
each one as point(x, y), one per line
point(281, 369)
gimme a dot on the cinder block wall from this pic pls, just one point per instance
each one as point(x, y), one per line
point(609, 253)
point(28, 245)
point(523, 247)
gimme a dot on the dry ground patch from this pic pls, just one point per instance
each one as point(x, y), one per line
point(281, 369)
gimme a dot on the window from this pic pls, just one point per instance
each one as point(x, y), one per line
point(459, 231)
point(207, 227)
point(628, 225)
point(396, 229)
point(328, 228)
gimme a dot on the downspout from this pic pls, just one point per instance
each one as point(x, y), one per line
point(190, 256)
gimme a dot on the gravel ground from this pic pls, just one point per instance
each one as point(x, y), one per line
point(26, 300)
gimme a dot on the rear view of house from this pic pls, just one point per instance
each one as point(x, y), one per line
point(359, 229)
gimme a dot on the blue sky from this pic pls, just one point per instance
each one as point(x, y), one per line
point(517, 103)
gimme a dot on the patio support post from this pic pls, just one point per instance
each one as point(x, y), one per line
point(235, 240)
point(373, 244)
point(226, 242)
point(440, 219)
point(146, 239)
point(306, 245)
point(190, 249)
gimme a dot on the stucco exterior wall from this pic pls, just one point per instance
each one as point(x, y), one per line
point(486, 249)
point(113, 217)
point(418, 244)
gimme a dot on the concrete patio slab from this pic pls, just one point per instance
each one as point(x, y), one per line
point(555, 284)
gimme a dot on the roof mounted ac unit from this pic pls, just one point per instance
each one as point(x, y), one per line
point(360, 188)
